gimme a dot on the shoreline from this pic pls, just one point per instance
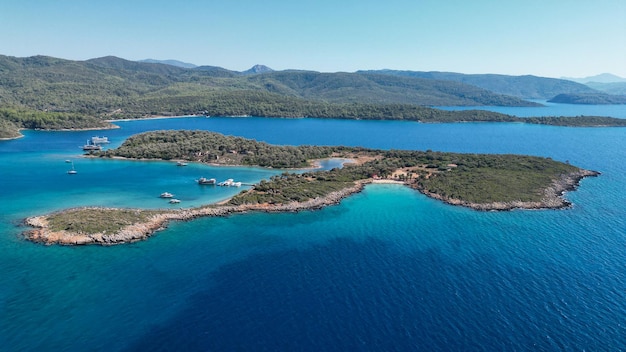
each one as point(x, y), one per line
point(110, 127)
point(141, 230)
point(156, 117)
point(12, 138)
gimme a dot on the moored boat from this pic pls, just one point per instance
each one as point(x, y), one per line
point(205, 181)
point(91, 146)
point(174, 201)
point(166, 195)
point(99, 140)
point(181, 163)
point(227, 183)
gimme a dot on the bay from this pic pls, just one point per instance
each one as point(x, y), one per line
point(387, 269)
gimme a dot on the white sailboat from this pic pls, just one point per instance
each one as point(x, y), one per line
point(72, 171)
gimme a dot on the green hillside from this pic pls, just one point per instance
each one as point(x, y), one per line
point(107, 83)
point(525, 87)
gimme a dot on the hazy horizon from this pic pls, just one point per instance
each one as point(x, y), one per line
point(548, 39)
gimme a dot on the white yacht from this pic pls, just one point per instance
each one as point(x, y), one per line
point(206, 181)
point(99, 140)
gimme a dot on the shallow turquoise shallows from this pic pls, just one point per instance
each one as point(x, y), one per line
point(387, 269)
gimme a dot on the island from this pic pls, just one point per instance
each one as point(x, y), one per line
point(479, 181)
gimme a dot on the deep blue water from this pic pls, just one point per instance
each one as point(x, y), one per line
point(387, 269)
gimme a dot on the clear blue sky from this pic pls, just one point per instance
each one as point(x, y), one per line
point(552, 38)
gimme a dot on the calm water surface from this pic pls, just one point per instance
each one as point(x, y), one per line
point(387, 269)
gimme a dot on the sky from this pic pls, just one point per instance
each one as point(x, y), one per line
point(550, 38)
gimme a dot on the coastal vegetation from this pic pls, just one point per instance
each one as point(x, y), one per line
point(211, 147)
point(473, 178)
point(14, 119)
point(577, 121)
point(97, 220)
point(589, 98)
point(467, 178)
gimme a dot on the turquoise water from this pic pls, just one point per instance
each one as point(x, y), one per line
point(387, 269)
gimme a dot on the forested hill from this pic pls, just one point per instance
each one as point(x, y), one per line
point(525, 87)
point(341, 87)
point(43, 92)
point(110, 83)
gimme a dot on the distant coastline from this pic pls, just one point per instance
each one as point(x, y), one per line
point(111, 127)
point(562, 121)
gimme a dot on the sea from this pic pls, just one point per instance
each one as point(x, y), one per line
point(387, 269)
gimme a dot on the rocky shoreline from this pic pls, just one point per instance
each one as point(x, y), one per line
point(41, 232)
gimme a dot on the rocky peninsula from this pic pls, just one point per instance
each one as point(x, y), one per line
point(148, 223)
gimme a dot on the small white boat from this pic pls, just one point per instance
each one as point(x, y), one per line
point(166, 195)
point(174, 201)
point(68, 161)
point(226, 183)
point(181, 163)
point(236, 184)
point(72, 171)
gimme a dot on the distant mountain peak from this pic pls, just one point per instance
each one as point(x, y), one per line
point(257, 69)
point(170, 62)
point(601, 78)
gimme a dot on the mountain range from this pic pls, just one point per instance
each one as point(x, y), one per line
point(525, 87)
point(42, 92)
point(574, 90)
point(102, 85)
point(110, 83)
point(601, 78)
